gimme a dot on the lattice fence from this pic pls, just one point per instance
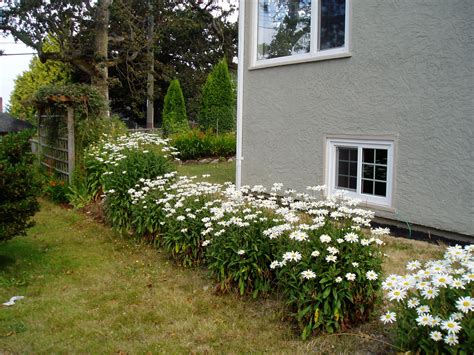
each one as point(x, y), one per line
point(54, 144)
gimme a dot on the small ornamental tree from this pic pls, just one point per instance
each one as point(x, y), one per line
point(175, 119)
point(217, 102)
point(19, 186)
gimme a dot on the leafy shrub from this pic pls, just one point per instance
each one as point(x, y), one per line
point(217, 111)
point(196, 144)
point(174, 110)
point(434, 305)
point(56, 190)
point(19, 185)
point(187, 211)
point(124, 176)
point(239, 254)
point(117, 164)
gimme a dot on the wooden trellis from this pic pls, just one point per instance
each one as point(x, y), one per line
point(57, 154)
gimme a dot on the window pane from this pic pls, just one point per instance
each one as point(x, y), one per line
point(347, 168)
point(333, 21)
point(342, 181)
point(343, 168)
point(380, 188)
point(343, 153)
point(368, 155)
point(353, 183)
point(381, 173)
point(353, 169)
point(368, 187)
point(381, 156)
point(353, 154)
point(368, 171)
point(283, 28)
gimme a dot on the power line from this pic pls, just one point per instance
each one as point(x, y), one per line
point(10, 54)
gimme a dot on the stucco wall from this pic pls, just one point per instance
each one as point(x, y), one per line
point(410, 76)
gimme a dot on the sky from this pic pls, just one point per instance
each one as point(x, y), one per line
point(13, 66)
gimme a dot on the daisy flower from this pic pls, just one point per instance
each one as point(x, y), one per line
point(350, 276)
point(451, 339)
point(465, 304)
point(308, 274)
point(436, 336)
point(413, 302)
point(388, 317)
point(397, 294)
point(371, 275)
point(451, 326)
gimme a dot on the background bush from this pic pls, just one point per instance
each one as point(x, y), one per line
point(196, 144)
point(174, 110)
point(217, 111)
point(19, 185)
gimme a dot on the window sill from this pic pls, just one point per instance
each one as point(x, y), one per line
point(274, 62)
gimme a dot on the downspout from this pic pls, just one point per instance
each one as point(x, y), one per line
point(240, 95)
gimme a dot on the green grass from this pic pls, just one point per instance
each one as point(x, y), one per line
point(220, 173)
point(88, 290)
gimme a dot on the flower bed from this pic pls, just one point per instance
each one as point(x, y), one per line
point(320, 254)
point(433, 304)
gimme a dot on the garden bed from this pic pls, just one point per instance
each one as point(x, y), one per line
point(88, 290)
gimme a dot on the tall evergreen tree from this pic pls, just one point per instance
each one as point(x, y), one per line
point(174, 111)
point(218, 100)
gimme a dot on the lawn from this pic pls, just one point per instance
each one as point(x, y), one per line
point(89, 290)
point(220, 173)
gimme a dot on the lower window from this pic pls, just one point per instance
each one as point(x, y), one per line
point(361, 168)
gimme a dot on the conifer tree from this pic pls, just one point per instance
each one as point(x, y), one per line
point(175, 119)
point(217, 102)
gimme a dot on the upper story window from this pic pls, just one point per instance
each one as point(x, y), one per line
point(292, 31)
point(362, 168)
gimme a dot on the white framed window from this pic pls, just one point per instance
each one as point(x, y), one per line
point(363, 169)
point(294, 31)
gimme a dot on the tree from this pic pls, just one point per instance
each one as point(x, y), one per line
point(18, 185)
point(217, 110)
point(108, 42)
point(174, 111)
point(190, 37)
point(80, 29)
point(26, 84)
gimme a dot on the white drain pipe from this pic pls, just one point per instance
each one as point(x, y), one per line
point(240, 95)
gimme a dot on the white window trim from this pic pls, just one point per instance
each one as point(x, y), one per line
point(333, 143)
point(313, 55)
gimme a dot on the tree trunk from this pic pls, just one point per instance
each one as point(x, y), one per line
point(100, 80)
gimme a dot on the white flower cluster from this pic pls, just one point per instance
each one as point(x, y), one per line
point(449, 278)
point(113, 149)
point(295, 215)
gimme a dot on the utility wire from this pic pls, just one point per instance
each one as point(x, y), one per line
point(10, 54)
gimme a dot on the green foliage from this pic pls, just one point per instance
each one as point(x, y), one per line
point(117, 164)
point(217, 110)
point(86, 100)
point(57, 190)
point(239, 258)
point(38, 75)
point(174, 111)
point(126, 175)
point(196, 144)
point(331, 300)
point(182, 236)
point(19, 185)
point(91, 130)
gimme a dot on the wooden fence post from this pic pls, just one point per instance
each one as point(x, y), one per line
point(71, 155)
